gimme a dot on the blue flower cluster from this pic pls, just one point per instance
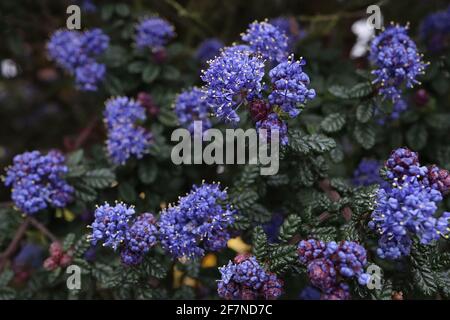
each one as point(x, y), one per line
point(439, 179)
point(290, 27)
point(404, 162)
point(234, 78)
point(310, 293)
point(246, 279)
point(191, 106)
point(272, 228)
point(231, 79)
point(197, 223)
point(141, 236)
point(398, 107)
point(37, 181)
point(76, 52)
point(368, 173)
point(273, 122)
point(290, 86)
point(267, 40)
point(111, 224)
point(125, 138)
point(208, 49)
point(330, 263)
point(406, 210)
point(397, 60)
point(154, 33)
point(112, 227)
point(435, 30)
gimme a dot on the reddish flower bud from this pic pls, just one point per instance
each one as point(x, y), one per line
point(50, 264)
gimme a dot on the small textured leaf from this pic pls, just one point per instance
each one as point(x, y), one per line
point(365, 135)
point(289, 228)
point(136, 67)
point(424, 280)
point(282, 257)
point(69, 241)
point(297, 143)
point(360, 90)
point(127, 192)
point(333, 122)
point(417, 137)
point(75, 158)
point(259, 244)
point(150, 73)
point(278, 180)
point(99, 178)
point(320, 143)
point(424, 277)
point(168, 117)
point(7, 293)
point(170, 73)
point(5, 277)
point(147, 172)
point(244, 199)
point(364, 112)
point(85, 193)
point(338, 91)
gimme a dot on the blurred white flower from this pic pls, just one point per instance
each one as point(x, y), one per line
point(9, 68)
point(364, 33)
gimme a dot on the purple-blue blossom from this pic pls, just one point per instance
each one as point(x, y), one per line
point(435, 30)
point(89, 75)
point(267, 40)
point(407, 210)
point(329, 264)
point(77, 52)
point(397, 60)
point(37, 181)
point(404, 162)
point(191, 106)
point(246, 279)
point(208, 49)
point(141, 236)
point(125, 137)
point(368, 173)
point(272, 228)
point(271, 123)
point(290, 86)
point(291, 28)
point(94, 42)
point(154, 33)
point(438, 179)
point(111, 224)
point(232, 78)
point(197, 223)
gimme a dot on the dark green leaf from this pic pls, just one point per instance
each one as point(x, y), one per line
point(364, 112)
point(289, 228)
point(417, 137)
point(333, 122)
point(365, 135)
point(99, 178)
point(147, 171)
point(150, 73)
point(259, 244)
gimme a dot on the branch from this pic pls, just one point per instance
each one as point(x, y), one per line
point(12, 247)
point(43, 229)
point(82, 136)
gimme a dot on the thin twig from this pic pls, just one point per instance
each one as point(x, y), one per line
point(12, 247)
point(43, 229)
